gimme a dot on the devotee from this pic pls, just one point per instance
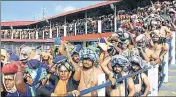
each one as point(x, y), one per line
point(119, 68)
point(141, 82)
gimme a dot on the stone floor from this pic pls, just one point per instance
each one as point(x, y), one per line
point(169, 89)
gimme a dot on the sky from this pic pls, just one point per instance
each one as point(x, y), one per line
point(32, 10)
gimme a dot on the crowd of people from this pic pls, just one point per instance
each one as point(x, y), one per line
point(65, 69)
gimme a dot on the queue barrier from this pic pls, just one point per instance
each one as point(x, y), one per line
point(83, 92)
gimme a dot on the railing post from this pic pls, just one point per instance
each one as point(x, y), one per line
point(99, 26)
point(155, 80)
point(173, 47)
point(150, 78)
point(166, 60)
point(126, 88)
point(101, 80)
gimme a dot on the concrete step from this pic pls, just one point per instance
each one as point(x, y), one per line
point(167, 93)
point(172, 79)
point(169, 89)
point(172, 67)
point(168, 86)
point(172, 72)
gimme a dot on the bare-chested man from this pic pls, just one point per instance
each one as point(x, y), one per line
point(142, 85)
point(146, 53)
point(119, 65)
point(159, 48)
point(88, 75)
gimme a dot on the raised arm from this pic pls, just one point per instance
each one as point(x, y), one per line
point(19, 81)
point(104, 66)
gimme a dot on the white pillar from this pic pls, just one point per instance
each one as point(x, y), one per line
point(29, 35)
point(57, 31)
point(50, 30)
point(36, 34)
point(115, 22)
point(173, 48)
point(155, 80)
point(150, 78)
point(75, 29)
point(86, 22)
point(43, 34)
point(65, 32)
point(20, 34)
point(12, 34)
point(101, 80)
point(99, 26)
point(65, 27)
point(166, 61)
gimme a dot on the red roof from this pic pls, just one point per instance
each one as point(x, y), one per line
point(86, 37)
point(25, 23)
point(68, 38)
point(17, 23)
point(81, 9)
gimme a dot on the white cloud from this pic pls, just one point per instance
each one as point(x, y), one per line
point(62, 9)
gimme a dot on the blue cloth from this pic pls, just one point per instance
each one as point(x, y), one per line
point(9, 51)
point(28, 92)
point(13, 57)
point(102, 40)
point(46, 66)
point(59, 58)
point(49, 86)
point(16, 94)
point(78, 47)
point(37, 78)
point(57, 41)
point(33, 63)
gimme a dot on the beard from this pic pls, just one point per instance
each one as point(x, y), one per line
point(87, 67)
point(76, 60)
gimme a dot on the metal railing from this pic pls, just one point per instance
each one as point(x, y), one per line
point(86, 91)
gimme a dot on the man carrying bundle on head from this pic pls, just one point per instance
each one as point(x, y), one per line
point(141, 82)
point(144, 52)
point(120, 66)
point(88, 74)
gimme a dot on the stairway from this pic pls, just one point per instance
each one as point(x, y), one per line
point(169, 89)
